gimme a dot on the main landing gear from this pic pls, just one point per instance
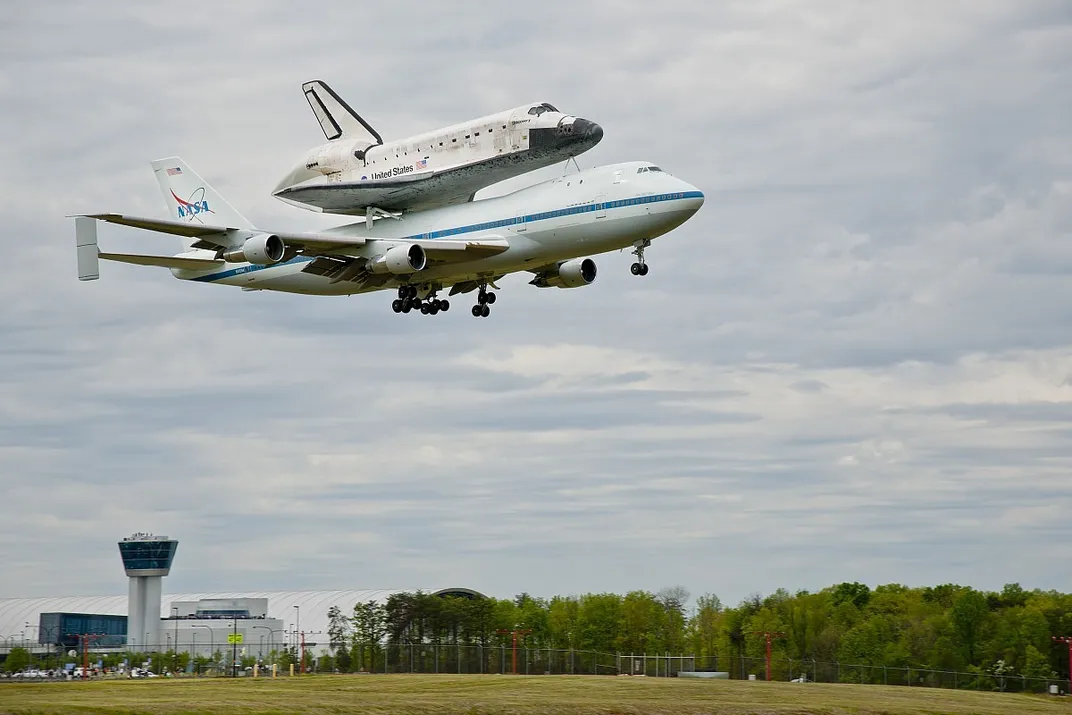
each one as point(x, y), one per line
point(408, 300)
point(640, 268)
point(483, 300)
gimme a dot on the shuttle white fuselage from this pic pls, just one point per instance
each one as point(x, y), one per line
point(356, 171)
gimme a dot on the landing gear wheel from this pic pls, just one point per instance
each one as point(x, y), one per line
point(396, 305)
point(481, 297)
point(403, 292)
point(407, 306)
point(434, 308)
point(425, 309)
point(640, 268)
point(491, 299)
point(444, 305)
point(478, 311)
point(485, 311)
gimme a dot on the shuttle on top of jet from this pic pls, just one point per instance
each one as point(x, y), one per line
point(356, 172)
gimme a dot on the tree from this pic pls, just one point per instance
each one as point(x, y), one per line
point(18, 658)
point(856, 593)
point(968, 614)
point(1037, 665)
point(672, 631)
point(338, 628)
point(370, 626)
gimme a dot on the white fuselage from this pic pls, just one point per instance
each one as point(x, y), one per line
point(590, 212)
point(437, 168)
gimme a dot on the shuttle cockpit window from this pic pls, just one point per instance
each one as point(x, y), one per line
point(644, 169)
point(541, 108)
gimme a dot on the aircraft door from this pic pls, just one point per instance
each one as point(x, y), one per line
point(601, 206)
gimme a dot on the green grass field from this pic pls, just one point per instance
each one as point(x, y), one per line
point(505, 694)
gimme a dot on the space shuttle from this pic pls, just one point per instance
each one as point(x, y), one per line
point(357, 172)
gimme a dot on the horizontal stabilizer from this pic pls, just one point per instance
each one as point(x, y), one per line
point(176, 228)
point(85, 232)
point(192, 264)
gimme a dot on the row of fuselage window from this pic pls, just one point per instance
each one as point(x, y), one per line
point(550, 214)
point(417, 149)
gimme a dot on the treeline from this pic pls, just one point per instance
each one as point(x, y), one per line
point(947, 627)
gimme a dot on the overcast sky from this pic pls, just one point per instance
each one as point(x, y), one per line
point(854, 363)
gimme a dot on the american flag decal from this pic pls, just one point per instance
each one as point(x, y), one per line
point(172, 172)
point(422, 164)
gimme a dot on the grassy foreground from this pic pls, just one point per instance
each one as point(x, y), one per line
point(539, 695)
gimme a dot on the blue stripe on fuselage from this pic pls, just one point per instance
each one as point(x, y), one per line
point(486, 226)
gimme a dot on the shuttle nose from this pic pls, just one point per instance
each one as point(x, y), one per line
point(587, 131)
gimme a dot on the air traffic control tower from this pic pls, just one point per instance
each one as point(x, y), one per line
point(147, 559)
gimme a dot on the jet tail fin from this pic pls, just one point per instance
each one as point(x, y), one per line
point(191, 199)
point(335, 116)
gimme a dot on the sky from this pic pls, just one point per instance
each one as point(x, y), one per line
point(854, 363)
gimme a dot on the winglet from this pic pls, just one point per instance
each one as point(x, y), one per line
point(85, 231)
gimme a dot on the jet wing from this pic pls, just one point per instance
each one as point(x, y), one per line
point(315, 244)
point(440, 251)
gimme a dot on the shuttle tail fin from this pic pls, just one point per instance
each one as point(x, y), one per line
point(190, 198)
point(336, 117)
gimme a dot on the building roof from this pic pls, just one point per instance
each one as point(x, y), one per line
point(312, 609)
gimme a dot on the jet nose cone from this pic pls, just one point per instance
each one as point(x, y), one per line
point(693, 198)
point(594, 132)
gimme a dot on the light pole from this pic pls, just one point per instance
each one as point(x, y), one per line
point(211, 639)
point(48, 642)
point(297, 630)
point(234, 650)
point(271, 641)
point(30, 625)
point(260, 651)
point(175, 615)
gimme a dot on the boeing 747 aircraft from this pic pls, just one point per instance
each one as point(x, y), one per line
point(356, 172)
point(548, 230)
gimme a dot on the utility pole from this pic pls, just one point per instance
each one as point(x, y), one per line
point(515, 633)
point(234, 651)
point(769, 635)
point(303, 652)
point(1067, 640)
point(84, 638)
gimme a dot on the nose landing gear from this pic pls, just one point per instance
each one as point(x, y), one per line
point(640, 268)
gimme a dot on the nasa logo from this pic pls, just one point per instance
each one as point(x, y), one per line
point(194, 206)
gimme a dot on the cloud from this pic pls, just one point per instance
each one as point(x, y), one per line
point(852, 364)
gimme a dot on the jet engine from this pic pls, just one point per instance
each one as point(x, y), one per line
point(399, 260)
point(570, 274)
point(262, 249)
